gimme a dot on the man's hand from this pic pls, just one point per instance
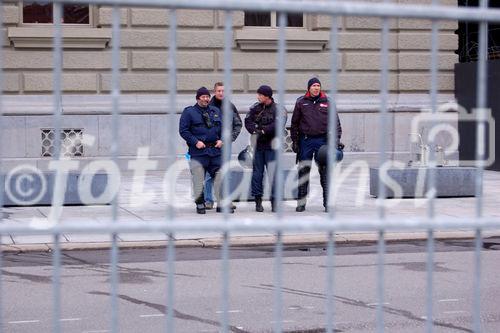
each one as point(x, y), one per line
point(295, 147)
point(200, 145)
point(218, 144)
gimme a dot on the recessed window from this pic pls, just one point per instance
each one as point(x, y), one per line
point(43, 12)
point(270, 19)
point(260, 33)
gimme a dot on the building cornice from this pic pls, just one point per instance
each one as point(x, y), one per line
point(264, 39)
point(72, 37)
point(159, 104)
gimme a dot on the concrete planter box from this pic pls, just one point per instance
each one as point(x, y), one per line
point(37, 189)
point(414, 183)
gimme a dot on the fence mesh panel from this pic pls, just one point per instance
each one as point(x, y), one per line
point(227, 224)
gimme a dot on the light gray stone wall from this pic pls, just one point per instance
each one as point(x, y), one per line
point(144, 44)
point(86, 80)
point(144, 119)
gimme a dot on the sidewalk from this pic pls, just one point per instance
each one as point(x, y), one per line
point(352, 202)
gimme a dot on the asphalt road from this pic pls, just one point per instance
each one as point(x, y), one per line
point(26, 290)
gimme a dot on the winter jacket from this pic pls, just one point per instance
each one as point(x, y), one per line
point(310, 117)
point(201, 124)
point(261, 121)
point(236, 122)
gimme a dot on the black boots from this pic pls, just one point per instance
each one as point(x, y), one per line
point(200, 209)
point(259, 208)
point(274, 206)
point(300, 208)
point(219, 209)
point(323, 179)
point(304, 185)
point(303, 188)
point(258, 205)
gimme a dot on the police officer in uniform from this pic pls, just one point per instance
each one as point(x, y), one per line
point(309, 131)
point(260, 122)
point(200, 126)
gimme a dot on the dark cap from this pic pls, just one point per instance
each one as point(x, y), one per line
point(202, 91)
point(265, 90)
point(312, 81)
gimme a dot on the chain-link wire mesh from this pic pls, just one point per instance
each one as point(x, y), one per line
point(231, 223)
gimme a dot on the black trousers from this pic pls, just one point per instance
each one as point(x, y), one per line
point(308, 149)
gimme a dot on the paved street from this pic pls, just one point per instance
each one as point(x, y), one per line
point(27, 289)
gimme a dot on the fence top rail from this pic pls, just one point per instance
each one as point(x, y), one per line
point(317, 224)
point(341, 8)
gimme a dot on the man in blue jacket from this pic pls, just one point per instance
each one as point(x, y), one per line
point(201, 127)
point(309, 131)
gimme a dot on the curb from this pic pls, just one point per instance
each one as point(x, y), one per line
point(253, 241)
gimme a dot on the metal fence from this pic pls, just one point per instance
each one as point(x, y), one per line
point(228, 224)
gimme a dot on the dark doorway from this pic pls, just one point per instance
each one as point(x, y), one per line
point(466, 86)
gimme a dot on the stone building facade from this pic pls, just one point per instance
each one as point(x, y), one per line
point(86, 101)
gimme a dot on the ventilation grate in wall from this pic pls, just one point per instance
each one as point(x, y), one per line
point(71, 142)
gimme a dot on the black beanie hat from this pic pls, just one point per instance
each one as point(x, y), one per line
point(312, 81)
point(202, 91)
point(265, 90)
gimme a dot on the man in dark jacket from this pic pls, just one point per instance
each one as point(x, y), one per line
point(236, 124)
point(260, 122)
point(200, 126)
point(309, 131)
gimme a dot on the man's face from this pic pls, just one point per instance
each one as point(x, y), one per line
point(204, 100)
point(315, 89)
point(219, 92)
point(263, 99)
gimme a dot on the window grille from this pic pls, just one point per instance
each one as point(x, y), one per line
point(71, 142)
